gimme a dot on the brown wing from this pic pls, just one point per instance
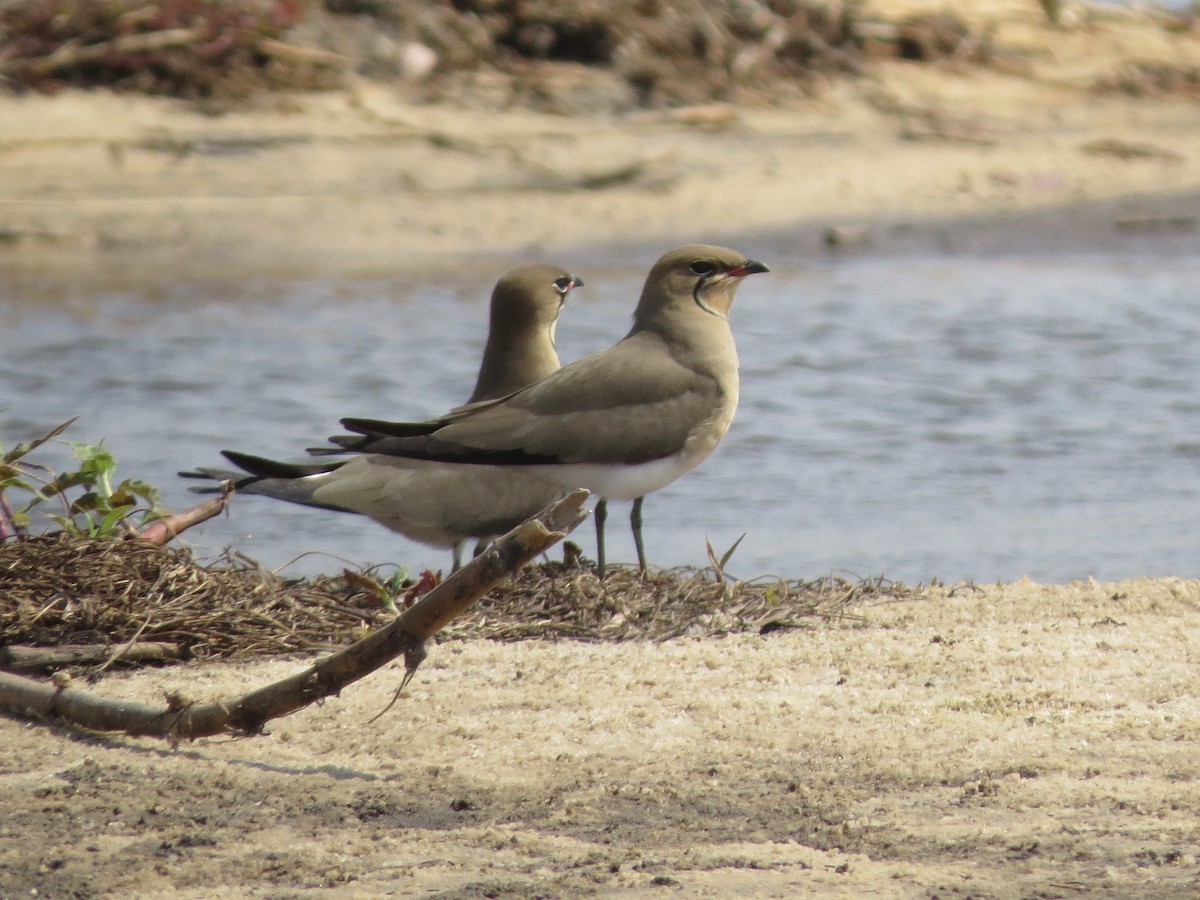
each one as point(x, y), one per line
point(632, 403)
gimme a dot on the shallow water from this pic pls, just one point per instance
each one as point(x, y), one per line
point(958, 418)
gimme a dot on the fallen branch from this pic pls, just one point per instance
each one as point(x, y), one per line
point(406, 635)
point(169, 527)
point(296, 54)
point(19, 658)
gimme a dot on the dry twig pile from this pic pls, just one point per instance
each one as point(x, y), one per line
point(56, 590)
point(570, 57)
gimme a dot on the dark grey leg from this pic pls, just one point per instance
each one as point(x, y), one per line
point(635, 520)
point(600, 514)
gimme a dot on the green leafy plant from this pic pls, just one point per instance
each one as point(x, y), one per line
point(93, 503)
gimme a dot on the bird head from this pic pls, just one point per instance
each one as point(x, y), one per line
point(697, 276)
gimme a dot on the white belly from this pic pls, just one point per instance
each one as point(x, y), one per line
point(622, 482)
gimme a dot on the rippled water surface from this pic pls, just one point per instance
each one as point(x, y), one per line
point(955, 418)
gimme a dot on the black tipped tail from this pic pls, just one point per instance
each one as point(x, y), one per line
point(346, 443)
point(380, 427)
point(255, 469)
point(293, 482)
point(235, 479)
point(262, 467)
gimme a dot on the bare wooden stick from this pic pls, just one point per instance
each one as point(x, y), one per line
point(19, 658)
point(294, 53)
point(406, 635)
point(170, 527)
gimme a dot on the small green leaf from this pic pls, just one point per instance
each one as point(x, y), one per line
point(730, 551)
point(22, 449)
point(147, 492)
point(17, 484)
point(121, 497)
point(60, 484)
point(95, 463)
point(66, 523)
point(86, 503)
point(107, 525)
point(712, 558)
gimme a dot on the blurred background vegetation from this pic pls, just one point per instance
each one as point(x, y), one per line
point(564, 57)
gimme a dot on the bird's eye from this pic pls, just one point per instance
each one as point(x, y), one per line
point(703, 267)
point(563, 285)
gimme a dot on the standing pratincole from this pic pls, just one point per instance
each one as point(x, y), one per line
point(433, 503)
point(623, 422)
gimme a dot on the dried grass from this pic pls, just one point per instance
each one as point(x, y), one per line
point(183, 48)
point(1153, 79)
point(562, 56)
point(56, 590)
point(554, 601)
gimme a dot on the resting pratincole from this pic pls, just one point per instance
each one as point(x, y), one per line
point(437, 504)
point(623, 422)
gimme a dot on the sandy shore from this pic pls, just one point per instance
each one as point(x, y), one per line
point(117, 188)
point(1012, 741)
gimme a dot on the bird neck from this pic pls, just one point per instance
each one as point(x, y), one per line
point(509, 366)
point(701, 341)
